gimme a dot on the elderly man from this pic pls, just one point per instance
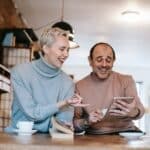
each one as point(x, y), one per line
point(100, 88)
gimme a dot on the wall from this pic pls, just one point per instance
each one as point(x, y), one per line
point(9, 17)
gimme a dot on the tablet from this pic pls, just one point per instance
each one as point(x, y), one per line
point(109, 117)
point(127, 99)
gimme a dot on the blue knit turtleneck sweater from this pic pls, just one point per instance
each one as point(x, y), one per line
point(37, 87)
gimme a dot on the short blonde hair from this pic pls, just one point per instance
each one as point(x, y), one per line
point(49, 35)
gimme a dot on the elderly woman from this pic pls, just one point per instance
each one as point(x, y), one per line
point(40, 88)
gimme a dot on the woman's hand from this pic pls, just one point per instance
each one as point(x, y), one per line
point(75, 101)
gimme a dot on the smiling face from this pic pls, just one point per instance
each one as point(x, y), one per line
point(57, 52)
point(102, 61)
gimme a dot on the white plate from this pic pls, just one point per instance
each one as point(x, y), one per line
point(131, 135)
point(25, 133)
point(80, 133)
point(145, 137)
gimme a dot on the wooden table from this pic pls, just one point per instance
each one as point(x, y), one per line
point(84, 142)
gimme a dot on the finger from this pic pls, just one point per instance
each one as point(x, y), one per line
point(125, 109)
point(78, 96)
point(81, 105)
point(75, 100)
point(121, 106)
point(98, 111)
point(117, 112)
point(93, 119)
point(120, 102)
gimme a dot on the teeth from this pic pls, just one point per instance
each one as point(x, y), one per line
point(103, 71)
point(61, 60)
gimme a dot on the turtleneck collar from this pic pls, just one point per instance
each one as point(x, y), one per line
point(45, 69)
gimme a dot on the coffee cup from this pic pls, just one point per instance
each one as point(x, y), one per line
point(25, 126)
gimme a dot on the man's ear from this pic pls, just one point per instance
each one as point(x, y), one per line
point(90, 61)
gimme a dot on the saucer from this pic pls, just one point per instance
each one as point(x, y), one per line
point(145, 137)
point(80, 133)
point(131, 135)
point(25, 133)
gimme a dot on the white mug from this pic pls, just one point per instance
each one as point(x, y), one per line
point(25, 126)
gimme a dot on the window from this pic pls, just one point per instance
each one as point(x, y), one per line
point(141, 122)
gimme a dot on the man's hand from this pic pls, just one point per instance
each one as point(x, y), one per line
point(95, 116)
point(123, 108)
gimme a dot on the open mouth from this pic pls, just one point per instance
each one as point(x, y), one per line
point(103, 71)
point(61, 60)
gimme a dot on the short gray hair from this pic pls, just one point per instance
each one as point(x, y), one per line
point(49, 35)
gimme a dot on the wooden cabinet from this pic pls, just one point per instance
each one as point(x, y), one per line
point(15, 48)
point(5, 101)
point(4, 79)
point(13, 56)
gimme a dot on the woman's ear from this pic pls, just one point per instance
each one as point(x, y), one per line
point(45, 49)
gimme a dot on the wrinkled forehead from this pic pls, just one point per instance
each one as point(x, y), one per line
point(102, 51)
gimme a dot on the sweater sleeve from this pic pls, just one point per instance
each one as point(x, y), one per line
point(23, 96)
point(67, 91)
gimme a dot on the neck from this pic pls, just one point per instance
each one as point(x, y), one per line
point(44, 68)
